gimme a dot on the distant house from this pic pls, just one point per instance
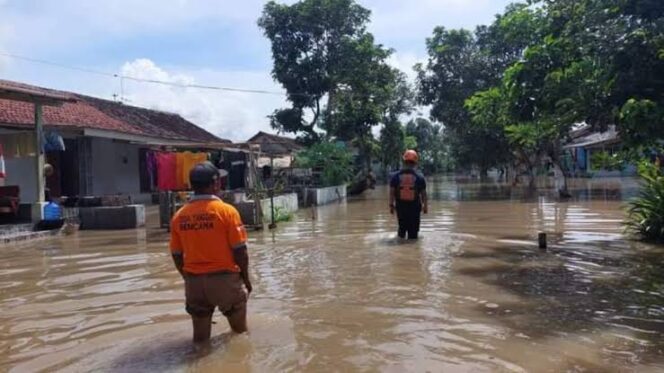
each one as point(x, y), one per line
point(276, 150)
point(97, 147)
point(585, 142)
point(273, 144)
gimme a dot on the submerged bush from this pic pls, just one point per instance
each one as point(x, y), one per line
point(334, 162)
point(646, 212)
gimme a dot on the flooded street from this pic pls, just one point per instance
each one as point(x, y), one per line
point(340, 293)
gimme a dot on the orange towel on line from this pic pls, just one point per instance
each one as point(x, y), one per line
point(191, 160)
point(185, 162)
point(180, 181)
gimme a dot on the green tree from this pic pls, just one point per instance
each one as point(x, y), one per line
point(429, 144)
point(312, 44)
point(455, 70)
point(333, 161)
point(322, 51)
point(374, 96)
point(392, 144)
point(593, 62)
point(462, 63)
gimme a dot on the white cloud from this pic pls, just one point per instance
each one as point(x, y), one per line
point(232, 115)
point(405, 25)
point(405, 61)
point(407, 20)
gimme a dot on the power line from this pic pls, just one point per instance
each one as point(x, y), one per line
point(55, 64)
point(143, 80)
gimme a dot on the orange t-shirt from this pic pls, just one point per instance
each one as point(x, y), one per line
point(206, 231)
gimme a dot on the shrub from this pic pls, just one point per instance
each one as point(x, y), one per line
point(334, 162)
point(646, 212)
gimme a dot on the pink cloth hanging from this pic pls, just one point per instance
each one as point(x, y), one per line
point(166, 171)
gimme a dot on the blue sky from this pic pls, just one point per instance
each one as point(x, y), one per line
point(210, 42)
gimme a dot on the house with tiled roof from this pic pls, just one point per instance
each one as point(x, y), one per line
point(274, 144)
point(275, 151)
point(96, 146)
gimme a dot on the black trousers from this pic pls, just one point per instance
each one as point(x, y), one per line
point(408, 215)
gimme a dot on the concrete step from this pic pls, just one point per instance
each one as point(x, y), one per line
point(27, 236)
point(14, 229)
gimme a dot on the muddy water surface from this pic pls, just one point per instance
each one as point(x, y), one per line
point(342, 294)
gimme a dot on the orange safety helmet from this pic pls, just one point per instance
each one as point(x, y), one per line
point(410, 156)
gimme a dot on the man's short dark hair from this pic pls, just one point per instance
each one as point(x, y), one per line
point(203, 175)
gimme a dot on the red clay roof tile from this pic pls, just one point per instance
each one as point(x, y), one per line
point(94, 113)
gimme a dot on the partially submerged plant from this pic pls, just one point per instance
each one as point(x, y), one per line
point(646, 212)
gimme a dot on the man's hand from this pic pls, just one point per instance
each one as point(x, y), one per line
point(391, 209)
point(247, 284)
point(179, 263)
point(425, 209)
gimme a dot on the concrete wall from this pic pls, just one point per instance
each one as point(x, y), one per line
point(324, 196)
point(110, 173)
point(103, 218)
point(286, 202)
point(21, 172)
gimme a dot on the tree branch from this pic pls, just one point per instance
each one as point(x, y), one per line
point(316, 113)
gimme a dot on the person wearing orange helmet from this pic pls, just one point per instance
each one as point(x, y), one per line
point(408, 196)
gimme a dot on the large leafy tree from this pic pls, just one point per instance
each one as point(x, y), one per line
point(455, 70)
point(392, 144)
point(616, 54)
point(312, 41)
point(462, 63)
point(594, 62)
point(336, 76)
point(375, 93)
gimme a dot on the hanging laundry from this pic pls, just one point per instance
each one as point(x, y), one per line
point(3, 172)
point(189, 161)
point(151, 165)
point(53, 142)
point(166, 171)
point(180, 180)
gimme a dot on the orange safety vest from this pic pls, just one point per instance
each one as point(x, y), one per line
point(407, 188)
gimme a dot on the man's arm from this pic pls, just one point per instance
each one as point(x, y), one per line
point(237, 239)
point(424, 198)
point(425, 201)
point(394, 184)
point(178, 260)
point(242, 260)
point(176, 249)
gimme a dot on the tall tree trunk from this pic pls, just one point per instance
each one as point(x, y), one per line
point(484, 173)
point(559, 172)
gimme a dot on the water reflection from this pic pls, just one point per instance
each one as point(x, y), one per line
point(336, 290)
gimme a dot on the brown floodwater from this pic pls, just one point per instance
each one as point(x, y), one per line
point(340, 293)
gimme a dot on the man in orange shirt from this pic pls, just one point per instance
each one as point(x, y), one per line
point(208, 244)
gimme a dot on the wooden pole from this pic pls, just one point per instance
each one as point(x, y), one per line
point(39, 157)
point(542, 240)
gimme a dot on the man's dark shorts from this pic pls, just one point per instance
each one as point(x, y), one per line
point(206, 292)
